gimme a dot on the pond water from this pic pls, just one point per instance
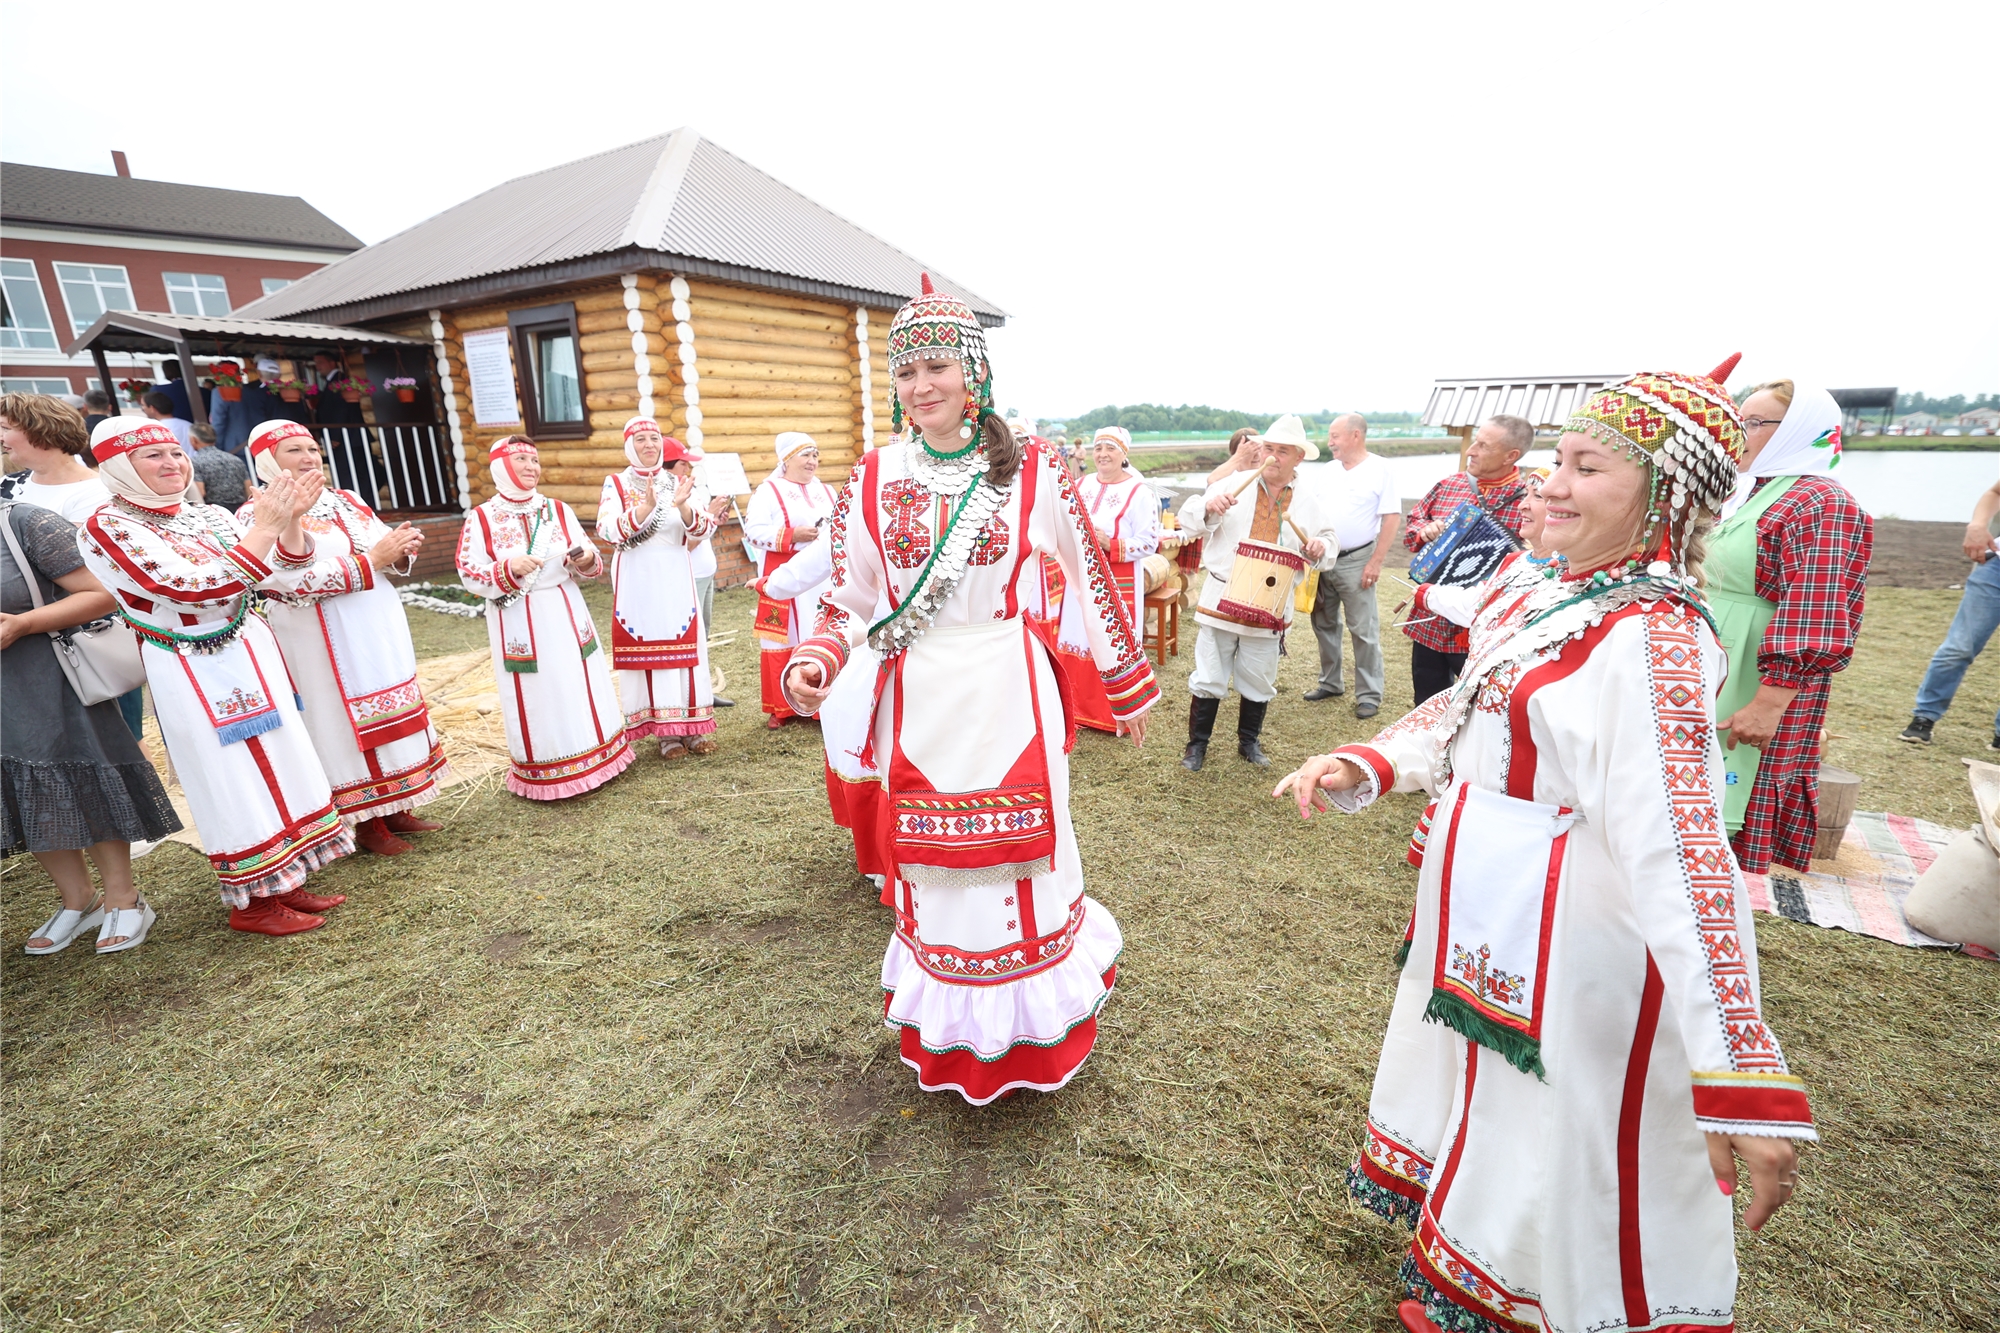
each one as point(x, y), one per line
point(1927, 486)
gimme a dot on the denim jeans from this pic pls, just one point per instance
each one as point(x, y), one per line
point(1978, 616)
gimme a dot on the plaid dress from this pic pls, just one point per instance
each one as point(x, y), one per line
point(1812, 560)
point(1502, 499)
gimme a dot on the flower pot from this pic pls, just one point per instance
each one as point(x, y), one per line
point(406, 395)
point(291, 395)
point(231, 393)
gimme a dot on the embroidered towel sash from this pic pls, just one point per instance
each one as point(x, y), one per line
point(968, 777)
point(1503, 860)
point(521, 631)
point(368, 642)
point(236, 691)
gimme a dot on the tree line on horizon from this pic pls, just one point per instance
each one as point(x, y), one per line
point(1944, 407)
point(1138, 417)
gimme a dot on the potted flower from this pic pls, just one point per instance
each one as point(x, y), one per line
point(291, 390)
point(405, 387)
point(354, 387)
point(135, 389)
point(228, 378)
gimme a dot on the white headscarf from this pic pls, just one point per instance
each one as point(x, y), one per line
point(116, 437)
point(633, 427)
point(1807, 441)
point(264, 441)
point(500, 462)
point(790, 442)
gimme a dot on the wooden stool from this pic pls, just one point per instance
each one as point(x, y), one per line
point(1162, 631)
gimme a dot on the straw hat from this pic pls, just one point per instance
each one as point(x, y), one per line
point(1289, 430)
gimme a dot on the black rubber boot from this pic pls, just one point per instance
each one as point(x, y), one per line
point(1249, 726)
point(1201, 725)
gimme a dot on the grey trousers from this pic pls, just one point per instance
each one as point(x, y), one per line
point(704, 592)
point(1341, 588)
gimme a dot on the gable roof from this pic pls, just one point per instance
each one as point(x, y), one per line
point(675, 201)
point(51, 197)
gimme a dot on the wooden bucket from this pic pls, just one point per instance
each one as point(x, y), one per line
point(1838, 790)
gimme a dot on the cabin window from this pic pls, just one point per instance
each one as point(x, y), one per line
point(26, 315)
point(546, 348)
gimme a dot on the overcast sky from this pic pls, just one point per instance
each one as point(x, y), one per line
point(1268, 208)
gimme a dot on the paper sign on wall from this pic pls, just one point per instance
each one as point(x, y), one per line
point(722, 474)
point(489, 364)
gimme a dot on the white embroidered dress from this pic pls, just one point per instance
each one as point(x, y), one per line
point(349, 650)
point(229, 717)
point(1579, 913)
point(999, 961)
point(778, 512)
point(659, 647)
point(565, 730)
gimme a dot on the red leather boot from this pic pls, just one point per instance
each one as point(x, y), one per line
point(268, 916)
point(407, 822)
point(374, 836)
point(310, 903)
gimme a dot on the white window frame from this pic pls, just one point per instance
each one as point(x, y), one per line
point(276, 284)
point(19, 337)
point(52, 385)
point(97, 284)
point(192, 287)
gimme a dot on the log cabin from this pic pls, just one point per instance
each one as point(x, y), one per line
point(668, 278)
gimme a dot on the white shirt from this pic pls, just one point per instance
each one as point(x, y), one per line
point(183, 430)
point(75, 500)
point(1358, 497)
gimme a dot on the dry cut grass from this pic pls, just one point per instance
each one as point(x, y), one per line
point(618, 1064)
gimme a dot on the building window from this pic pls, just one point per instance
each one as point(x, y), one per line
point(91, 289)
point(196, 294)
point(546, 349)
point(54, 388)
point(276, 285)
point(26, 324)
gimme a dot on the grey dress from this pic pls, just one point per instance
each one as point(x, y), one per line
point(70, 775)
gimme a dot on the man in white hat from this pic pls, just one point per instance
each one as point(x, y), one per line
point(1238, 641)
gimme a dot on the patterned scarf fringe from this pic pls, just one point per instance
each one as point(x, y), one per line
point(1385, 1203)
point(1441, 1309)
point(1402, 954)
point(1524, 1053)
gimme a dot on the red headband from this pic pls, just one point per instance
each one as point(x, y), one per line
point(264, 441)
point(126, 441)
point(642, 423)
point(502, 448)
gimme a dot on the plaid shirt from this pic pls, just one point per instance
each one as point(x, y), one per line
point(1502, 500)
point(1813, 547)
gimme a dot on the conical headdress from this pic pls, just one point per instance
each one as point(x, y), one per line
point(933, 325)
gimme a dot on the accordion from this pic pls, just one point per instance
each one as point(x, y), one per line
point(1469, 549)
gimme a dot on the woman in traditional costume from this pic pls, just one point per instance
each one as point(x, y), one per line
point(659, 645)
point(184, 575)
point(348, 646)
point(1577, 1047)
point(787, 512)
point(1125, 517)
point(521, 551)
point(1786, 576)
point(1000, 961)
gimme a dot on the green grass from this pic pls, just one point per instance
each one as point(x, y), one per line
point(619, 1064)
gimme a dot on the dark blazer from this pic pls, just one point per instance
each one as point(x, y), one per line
point(331, 409)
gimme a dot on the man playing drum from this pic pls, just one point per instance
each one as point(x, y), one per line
point(1259, 535)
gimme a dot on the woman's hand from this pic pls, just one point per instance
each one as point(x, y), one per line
point(394, 548)
point(1757, 721)
point(275, 505)
point(1135, 727)
point(1323, 772)
point(1774, 1171)
point(804, 684)
point(718, 506)
point(644, 501)
point(10, 630)
point(683, 489)
point(521, 568)
point(310, 485)
point(587, 565)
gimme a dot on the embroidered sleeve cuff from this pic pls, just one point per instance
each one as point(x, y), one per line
point(1755, 1102)
point(503, 578)
point(1131, 689)
point(283, 559)
point(1377, 776)
point(255, 570)
point(827, 653)
point(364, 572)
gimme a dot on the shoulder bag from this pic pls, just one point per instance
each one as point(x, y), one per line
point(102, 661)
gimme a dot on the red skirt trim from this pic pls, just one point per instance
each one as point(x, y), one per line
point(771, 673)
point(1022, 1065)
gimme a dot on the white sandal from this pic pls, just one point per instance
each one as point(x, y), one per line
point(65, 926)
point(131, 922)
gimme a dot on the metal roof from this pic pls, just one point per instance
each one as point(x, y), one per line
point(676, 201)
point(1854, 400)
point(50, 197)
point(1545, 400)
point(152, 331)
